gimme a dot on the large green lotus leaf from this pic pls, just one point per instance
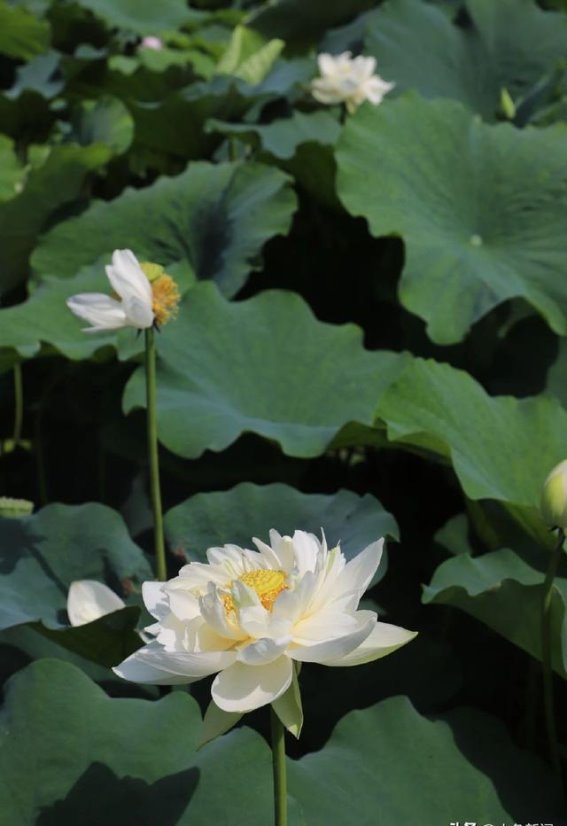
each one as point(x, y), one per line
point(44, 322)
point(501, 447)
point(42, 554)
point(212, 519)
point(134, 761)
point(281, 138)
point(300, 145)
point(477, 231)
point(143, 16)
point(296, 20)
point(388, 766)
point(505, 592)
point(509, 45)
point(265, 365)
point(44, 318)
point(55, 183)
point(121, 761)
point(214, 217)
point(22, 35)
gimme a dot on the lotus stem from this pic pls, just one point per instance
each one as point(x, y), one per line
point(548, 699)
point(153, 455)
point(279, 769)
point(18, 403)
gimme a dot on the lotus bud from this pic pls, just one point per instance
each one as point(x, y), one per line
point(554, 497)
point(11, 508)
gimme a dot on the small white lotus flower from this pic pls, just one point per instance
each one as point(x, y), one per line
point(88, 600)
point(131, 285)
point(348, 80)
point(253, 616)
point(151, 42)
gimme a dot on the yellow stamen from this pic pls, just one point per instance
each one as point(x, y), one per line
point(165, 298)
point(267, 584)
point(165, 295)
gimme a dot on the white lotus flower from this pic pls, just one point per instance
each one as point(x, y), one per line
point(348, 80)
point(88, 600)
point(252, 615)
point(131, 285)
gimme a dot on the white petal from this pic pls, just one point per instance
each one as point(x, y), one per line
point(216, 722)
point(155, 599)
point(327, 63)
point(217, 617)
point(334, 648)
point(246, 687)
point(259, 623)
point(324, 93)
point(383, 640)
point(327, 624)
point(151, 664)
point(102, 311)
point(357, 574)
point(308, 551)
point(271, 555)
point(262, 651)
point(289, 709)
point(88, 600)
point(184, 605)
point(139, 313)
point(127, 277)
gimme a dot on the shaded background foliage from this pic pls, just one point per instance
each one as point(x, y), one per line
point(378, 348)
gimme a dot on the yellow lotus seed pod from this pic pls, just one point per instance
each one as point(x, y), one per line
point(554, 497)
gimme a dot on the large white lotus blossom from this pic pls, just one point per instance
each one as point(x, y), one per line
point(349, 80)
point(252, 615)
point(132, 308)
point(88, 600)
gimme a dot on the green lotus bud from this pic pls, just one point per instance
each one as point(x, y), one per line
point(507, 104)
point(14, 507)
point(554, 497)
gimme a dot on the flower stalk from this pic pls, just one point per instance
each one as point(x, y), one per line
point(151, 407)
point(548, 698)
point(279, 769)
point(18, 404)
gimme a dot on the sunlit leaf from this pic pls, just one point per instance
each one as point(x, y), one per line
point(246, 511)
point(229, 368)
point(477, 231)
point(213, 218)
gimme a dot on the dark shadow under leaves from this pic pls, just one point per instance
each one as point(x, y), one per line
point(100, 797)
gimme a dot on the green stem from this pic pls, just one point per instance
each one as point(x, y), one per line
point(548, 701)
point(279, 769)
point(18, 403)
point(160, 563)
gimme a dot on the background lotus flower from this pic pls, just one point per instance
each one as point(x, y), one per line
point(88, 600)
point(348, 80)
point(151, 42)
point(253, 615)
point(129, 282)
